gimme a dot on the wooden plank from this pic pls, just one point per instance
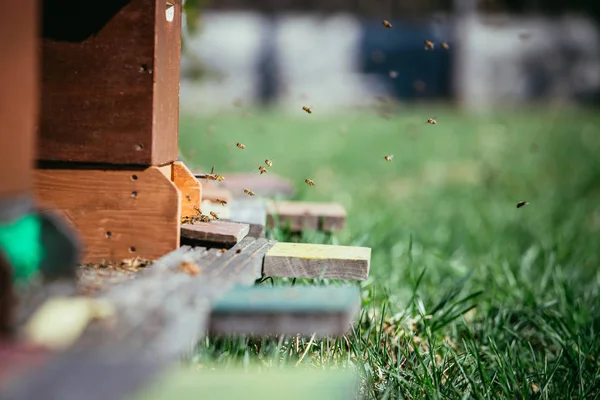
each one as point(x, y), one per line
point(300, 310)
point(317, 261)
point(110, 82)
point(222, 233)
point(18, 97)
point(243, 263)
point(250, 211)
point(188, 185)
point(119, 214)
point(269, 185)
point(303, 215)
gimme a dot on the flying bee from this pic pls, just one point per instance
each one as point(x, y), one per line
point(249, 192)
point(522, 204)
point(307, 109)
point(388, 158)
point(309, 182)
point(431, 121)
point(445, 45)
point(268, 163)
point(212, 176)
point(197, 209)
point(221, 202)
point(219, 178)
point(429, 45)
point(240, 145)
point(262, 169)
point(387, 24)
point(214, 215)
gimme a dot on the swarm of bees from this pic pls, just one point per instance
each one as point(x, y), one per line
point(309, 182)
point(240, 146)
point(429, 45)
point(431, 121)
point(388, 158)
point(249, 192)
point(387, 24)
point(262, 169)
point(522, 204)
point(307, 109)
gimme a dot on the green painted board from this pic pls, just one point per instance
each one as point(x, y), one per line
point(253, 384)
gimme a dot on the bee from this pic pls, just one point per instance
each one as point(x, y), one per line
point(204, 218)
point(187, 219)
point(309, 182)
point(187, 195)
point(262, 169)
point(212, 176)
point(189, 267)
point(249, 192)
point(223, 250)
point(268, 163)
point(240, 145)
point(431, 121)
point(197, 209)
point(388, 158)
point(393, 74)
point(307, 109)
point(445, 45)
point(214, 215)
point(522, 204)
point(387, 24)
point(429, 45)
point(219, 178)
point(221, 202)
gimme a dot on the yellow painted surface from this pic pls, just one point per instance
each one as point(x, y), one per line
point(319, 251)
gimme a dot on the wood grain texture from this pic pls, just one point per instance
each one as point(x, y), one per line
point(188, 185)
point(112, 95)
point(317, 261)
point(18, 97)
point(302, 215)
point(119, 214)
point(304, 310)
point(215, 233)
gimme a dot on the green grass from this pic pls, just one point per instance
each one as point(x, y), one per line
point(469, 297)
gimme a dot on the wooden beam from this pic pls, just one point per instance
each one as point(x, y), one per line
point(18, 96)
point(317, 261)
point(300, 310)
point(188, 185)
point(303, 215)
point(219, 233)
point(119, 213)
point(110, 73)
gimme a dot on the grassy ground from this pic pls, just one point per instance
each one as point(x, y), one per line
point(468, 295)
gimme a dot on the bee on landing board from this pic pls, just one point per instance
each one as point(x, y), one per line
point(262, 169)
point(189, 267)
point(309, 182)
point(249, 192)
point(445, 45)
point(429, 45)
point(221, 202)
point(522, 204)
point(386, 23)
point(268, 163)
point(197, 209)
point(204, 218)
point(240, 145)
point(307, 109)
point(431, 121)
point(388, 158)
point(214, 215)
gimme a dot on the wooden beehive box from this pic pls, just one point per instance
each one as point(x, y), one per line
point(110, 81)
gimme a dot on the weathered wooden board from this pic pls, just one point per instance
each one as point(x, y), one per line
point(302, 310)
point(119, 213)
point(110, 81)
point(188, 185)
point(222, 233)
point(301, 215)
point(251, 211)
point(317, 261)
point(18, 96)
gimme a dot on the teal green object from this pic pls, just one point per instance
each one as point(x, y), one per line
point(21, 243)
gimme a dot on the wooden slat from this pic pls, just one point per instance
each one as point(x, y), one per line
point(119, 214)
point(303, 310)
point(302, 260)
point(110, 90)
point(188, 185)
point(300, 215)
point(252, 211)
point(222, 233)
point(18, 97)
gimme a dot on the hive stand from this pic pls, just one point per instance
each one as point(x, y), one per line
point(109, 125)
